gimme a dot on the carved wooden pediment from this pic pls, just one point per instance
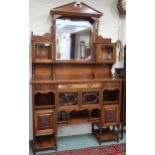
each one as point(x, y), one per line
point(74, 9)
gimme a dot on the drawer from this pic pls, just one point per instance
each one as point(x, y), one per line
point(111, 85)
point(44, 87)
point(79, 86)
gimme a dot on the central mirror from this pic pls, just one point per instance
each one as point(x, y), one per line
point(73, 39)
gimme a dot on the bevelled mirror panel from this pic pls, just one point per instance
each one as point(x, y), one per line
point(73, 39)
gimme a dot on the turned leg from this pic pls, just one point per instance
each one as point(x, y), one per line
point(117, 133)
point(122, 129)
point(93, 128)
point(100, 133)
point(113, 128)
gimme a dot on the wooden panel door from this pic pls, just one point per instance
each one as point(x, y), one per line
point(44, 122)
point(110, 115)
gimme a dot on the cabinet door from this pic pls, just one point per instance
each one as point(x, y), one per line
point(44, 122)
point(110, 115)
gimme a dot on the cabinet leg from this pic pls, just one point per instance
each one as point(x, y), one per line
point(122, 129)
point(92, 128)
point(117, 133)
point(113, 128)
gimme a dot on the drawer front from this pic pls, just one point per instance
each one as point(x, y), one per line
point(111, 85)
point(79, 86)
point(43, 87)
point(44, 122)
point(110, 115)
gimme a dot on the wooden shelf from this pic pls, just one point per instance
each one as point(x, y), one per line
point(45, 132)
point(105, 62)
point(44, 142)
point(78, 120)
point(45, 107)
point(42, 62)
point(111, 102)
point(107, 135)
point(62, 122)
point(37, 81)
point(69, 108)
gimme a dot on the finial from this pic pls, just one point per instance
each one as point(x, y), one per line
point(78, 3)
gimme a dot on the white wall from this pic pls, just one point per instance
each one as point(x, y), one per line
point(40, 23)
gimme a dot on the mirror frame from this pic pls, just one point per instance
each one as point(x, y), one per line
point(77, 15)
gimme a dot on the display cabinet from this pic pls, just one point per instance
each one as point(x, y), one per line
point(71, 77)
point(105, 53)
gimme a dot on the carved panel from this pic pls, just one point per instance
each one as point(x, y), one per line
point(68, 98)
point(44, 121)
point(91, 97)
point(110, 115)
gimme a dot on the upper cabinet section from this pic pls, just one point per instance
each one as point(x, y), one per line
point(41, 49)
point(105, 51)
point(73, 38)
point(74, 32)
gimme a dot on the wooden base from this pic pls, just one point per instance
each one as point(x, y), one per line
point(106, 135)
point(45, 142)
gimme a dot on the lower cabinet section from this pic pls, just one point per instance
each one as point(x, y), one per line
point(44, 122)
point(110, 115)
point(76, 104)
point(45, 142)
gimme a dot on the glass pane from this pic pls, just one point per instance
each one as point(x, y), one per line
point(73, 39)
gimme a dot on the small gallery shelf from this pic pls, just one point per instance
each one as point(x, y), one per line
point(44, 142)
point(105, 53)
point(42, 52)
point(110, 96)
point(44, 100)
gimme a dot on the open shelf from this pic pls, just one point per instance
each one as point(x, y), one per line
point(111, 96)
point(63, 117)
point(46, 100)
point(106, 135)
point(95, 115)
point(104, 53)
point(44, 142)
point(78, 116)
point(43, 52)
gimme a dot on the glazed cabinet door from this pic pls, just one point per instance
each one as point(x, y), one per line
point(110, 115)
point(44, 122)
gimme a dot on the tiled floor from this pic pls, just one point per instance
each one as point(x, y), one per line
point(80, 141)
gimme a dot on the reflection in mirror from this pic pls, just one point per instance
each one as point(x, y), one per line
point(73, 39)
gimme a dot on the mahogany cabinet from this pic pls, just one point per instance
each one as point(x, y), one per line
point(71, 77)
